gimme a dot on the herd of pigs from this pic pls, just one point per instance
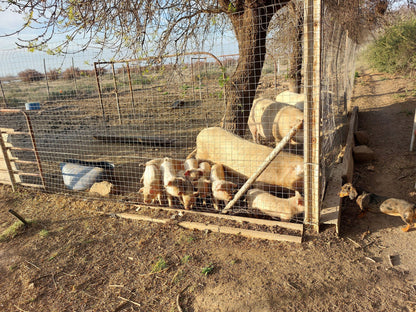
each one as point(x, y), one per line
point(221, 160)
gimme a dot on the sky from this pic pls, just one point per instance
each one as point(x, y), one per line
point(13, 61)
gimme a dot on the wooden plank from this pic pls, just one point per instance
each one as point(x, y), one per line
point(412, 140)
point(12, 131)
point(312, 107)
point(237, 231)
point(286, 225)
point(348, 161)
point(331, 212)
point(11, 178)
point(217, 228)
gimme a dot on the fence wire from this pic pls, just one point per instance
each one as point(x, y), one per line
point(124, 129)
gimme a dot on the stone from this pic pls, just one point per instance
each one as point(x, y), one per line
point(362, 137)
point(102, 188)
point(362, 153)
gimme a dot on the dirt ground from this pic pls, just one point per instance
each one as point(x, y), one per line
point(77, 256)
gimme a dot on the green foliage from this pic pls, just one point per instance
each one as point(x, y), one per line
point(12, 231)
point(208, 269)
point(43, 233)
point(395, 51)
point(159, 265)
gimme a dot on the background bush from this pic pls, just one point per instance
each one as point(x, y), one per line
point(395, 50)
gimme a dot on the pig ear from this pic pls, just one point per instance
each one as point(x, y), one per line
point(180, 193)
point(186, 174)
point(169, 183)
point(152, 191)
point(141, 191)
point(300, 202)
point(196, 193)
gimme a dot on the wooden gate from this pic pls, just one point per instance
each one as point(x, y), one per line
point(12, 168)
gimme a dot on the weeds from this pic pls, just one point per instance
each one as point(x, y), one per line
point(43, 233)
point(208, 269)
point(11, 231)
point(159, 265)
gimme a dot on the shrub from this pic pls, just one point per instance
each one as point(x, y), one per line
point(30, 75)
point(71, 73)
point(53, 74)
point(395, 50)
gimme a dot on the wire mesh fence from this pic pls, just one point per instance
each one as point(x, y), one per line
point(151, 130)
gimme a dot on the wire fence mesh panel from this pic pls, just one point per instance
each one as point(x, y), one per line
point(187, 130)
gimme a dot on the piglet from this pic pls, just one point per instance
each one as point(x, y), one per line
point(221, 189)
point(152, 184)
point(284, 208)
point(192, 171)
point(177, 186)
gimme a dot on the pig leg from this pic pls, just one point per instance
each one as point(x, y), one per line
point(159, 198)
point(216, 203)
point(170, 200)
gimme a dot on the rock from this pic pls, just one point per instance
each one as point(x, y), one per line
point(102, 188)
point(362, 137)
point(362, 153)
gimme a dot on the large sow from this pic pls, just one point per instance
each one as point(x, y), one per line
point(244, 157)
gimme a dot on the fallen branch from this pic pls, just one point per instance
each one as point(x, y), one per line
point(128, 300)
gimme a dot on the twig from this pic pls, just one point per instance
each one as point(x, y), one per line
point(19, 308)
point(33, 265)
point(370, 259)
point(54, 282)
point(121, 286)
point(178, 297)
point(355, 243)
point(128, 300)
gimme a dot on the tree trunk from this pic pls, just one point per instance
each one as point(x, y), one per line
point(250, 26)
point(295, 70)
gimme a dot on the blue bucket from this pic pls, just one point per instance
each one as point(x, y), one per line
point(32, 106)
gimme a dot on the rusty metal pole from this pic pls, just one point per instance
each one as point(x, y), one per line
point(131, 89)
point(312, 67)
point(116, 93)
point(97, 78)
point(4, 96)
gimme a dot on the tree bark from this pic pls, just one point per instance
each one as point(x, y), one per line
point(295, 69)
point(250, 26)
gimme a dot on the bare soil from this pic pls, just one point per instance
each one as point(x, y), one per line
point(76, 256)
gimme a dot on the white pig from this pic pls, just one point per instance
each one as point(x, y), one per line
point(221, 189)
point(192, 171)
point(177, 186)
point(284, 208)
point(272, 120)
point(206, 169)
point(152, 184)
point(244, 157)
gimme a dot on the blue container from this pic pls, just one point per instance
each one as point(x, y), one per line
point(32, 106)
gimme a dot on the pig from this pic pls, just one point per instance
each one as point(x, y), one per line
point(203, 186)
point(152, 184)
point(177, 186)
point(206, 169)
point(291, 98)
point(272, 120)
point(178, 164)
point(243, 157)
point(192, 171)
point(221, 189)
point(284, 208)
